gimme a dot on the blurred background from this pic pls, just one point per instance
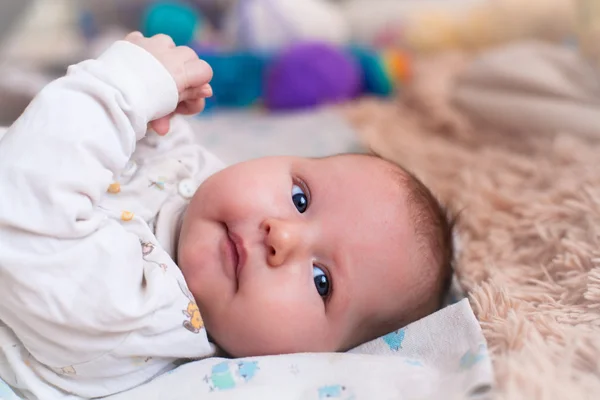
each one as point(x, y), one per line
point(280, 65)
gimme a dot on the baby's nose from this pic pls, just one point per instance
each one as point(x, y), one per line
point(283, 239)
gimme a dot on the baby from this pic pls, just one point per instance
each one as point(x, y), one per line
point(125, 250)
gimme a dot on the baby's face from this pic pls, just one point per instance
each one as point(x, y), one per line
point(290, 254)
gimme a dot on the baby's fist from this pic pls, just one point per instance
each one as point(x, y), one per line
point(191, 75)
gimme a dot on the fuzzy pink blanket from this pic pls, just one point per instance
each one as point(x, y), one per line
point(529, 224)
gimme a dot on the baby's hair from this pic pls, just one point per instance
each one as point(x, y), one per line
point(434, 227)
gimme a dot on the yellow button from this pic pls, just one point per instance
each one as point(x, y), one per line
point(126, 215)
point(114, 188)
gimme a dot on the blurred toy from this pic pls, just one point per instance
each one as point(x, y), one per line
point(311, 74)
point(304, 75)
point(181, 22)
point(271, 25)
point(493, 23)
point(434, 25)
point(283, 71)
point(238, 78)
point(127, 14)
point(382, 71)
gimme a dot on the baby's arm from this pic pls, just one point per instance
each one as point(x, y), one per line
point(58, 158)
point(72, 283)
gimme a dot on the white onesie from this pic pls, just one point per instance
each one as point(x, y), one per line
point(92, 302)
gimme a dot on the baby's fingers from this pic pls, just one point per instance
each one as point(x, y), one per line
point(191, 107)
point(195, 93)
point(197, 74)
point(134, 37)
point(162, 125)
point(192, 100)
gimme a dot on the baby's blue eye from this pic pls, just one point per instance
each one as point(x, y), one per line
point(299, 198)
point(321, 281)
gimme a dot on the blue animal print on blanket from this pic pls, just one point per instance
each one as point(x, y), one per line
point(413, 363)
point(229, 374)
point(335, 392)
point(470, 358)
point(247, 370)
point(394, 339)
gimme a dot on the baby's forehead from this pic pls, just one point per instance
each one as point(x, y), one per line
point(371, 173)
point(362, 191)
point(374, 164)
point(368, 195)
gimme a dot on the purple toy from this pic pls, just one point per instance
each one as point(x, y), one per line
point(310, 74)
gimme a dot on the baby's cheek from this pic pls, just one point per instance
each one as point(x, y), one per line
point(288, 317)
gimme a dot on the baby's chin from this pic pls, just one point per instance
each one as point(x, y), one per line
point(237, 343)
point(267, 349)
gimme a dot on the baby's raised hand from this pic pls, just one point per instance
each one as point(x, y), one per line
point(191, 74)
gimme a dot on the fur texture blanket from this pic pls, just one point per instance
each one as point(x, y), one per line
point(529, 227)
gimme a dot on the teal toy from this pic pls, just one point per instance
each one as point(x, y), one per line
point(238, 78)
point(172, 18)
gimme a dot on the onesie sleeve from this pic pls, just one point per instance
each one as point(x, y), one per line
point(59, 157)
point(73, 285)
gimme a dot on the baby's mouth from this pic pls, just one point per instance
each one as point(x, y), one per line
point(239, 252)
